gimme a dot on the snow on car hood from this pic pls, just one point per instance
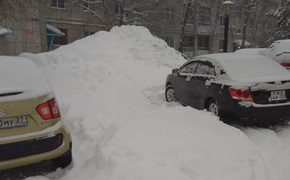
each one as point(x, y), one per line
point(21, 75)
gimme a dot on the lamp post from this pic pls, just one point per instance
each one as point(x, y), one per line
point(227, 6)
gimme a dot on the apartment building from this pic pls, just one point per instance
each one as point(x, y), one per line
point(23, 28)
point(44, 25)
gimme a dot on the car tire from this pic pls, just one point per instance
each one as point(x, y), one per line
point(169, 94)
point(213, 107)
point(63, 160)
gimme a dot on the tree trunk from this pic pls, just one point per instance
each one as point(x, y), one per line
point(245, 29)
point(217, 16)
point(181, 42)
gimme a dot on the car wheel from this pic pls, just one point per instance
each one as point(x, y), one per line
point(63, 160)
point(213, 107)
point(169, 94)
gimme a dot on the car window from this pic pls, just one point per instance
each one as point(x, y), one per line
point(189, 68)
point(205, 69)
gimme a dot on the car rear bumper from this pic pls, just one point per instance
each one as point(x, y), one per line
point(34, 149)
point(249, 114)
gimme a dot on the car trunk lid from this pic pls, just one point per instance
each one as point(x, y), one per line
point(21, 117)
point(271, 92)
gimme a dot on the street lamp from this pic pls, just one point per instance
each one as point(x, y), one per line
point(227, 6)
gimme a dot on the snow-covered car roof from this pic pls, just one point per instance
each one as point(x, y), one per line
point(252, 51)
point(249, 68)
point(21, 75)
point(279, 51)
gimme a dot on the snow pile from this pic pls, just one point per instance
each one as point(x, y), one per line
point(110, 87)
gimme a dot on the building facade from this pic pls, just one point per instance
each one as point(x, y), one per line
point(195, 26)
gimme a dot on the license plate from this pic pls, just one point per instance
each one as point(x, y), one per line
point(13, 122)
point(278, 95)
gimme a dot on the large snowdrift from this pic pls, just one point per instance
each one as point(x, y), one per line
point(110, 87)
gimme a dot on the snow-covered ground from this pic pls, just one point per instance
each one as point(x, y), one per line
point(110, 87)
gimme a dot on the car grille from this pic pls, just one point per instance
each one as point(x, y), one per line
point(30, 147)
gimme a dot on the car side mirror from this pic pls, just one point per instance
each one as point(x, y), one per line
point(175, 71)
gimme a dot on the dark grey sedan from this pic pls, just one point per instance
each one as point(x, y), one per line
point(248, 89)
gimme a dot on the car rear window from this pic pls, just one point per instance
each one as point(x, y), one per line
point(256, 69)
point(22, 78)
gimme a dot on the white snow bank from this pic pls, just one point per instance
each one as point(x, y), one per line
point(21, 75)
point(110, 87)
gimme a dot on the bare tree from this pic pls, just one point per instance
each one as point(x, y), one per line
point(11, 11)
point(282, 15)
point(188, 9)
point(218, 11)
point(101, 13)
point(249, 8)
point(132, 11)
point(258, 17)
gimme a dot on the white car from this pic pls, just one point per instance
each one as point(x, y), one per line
point(279, 51)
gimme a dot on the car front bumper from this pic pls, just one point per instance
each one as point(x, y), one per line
point(34, 148)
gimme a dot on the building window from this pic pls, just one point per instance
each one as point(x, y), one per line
point(238, 31)
point(60, 40)
point(188, 41)
point(203, 43)
point(88, 6)
point(221, 44)
point(189, 19)
point(222, 21)
point(251, 23)
point(169, 41)
point(204, 18)
point(57, 3)
point(88, 33)
point(117, 10)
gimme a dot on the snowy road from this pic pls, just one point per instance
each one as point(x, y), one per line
point(272, 142)
point(110, 88)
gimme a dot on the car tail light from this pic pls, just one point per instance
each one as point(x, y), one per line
point(241, 94)
point(286, 65)
point(54, 108)
point(48, 110)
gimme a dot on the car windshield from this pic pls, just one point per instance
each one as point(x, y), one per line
point(255, 69)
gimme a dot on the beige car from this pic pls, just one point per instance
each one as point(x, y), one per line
point(31, 129)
